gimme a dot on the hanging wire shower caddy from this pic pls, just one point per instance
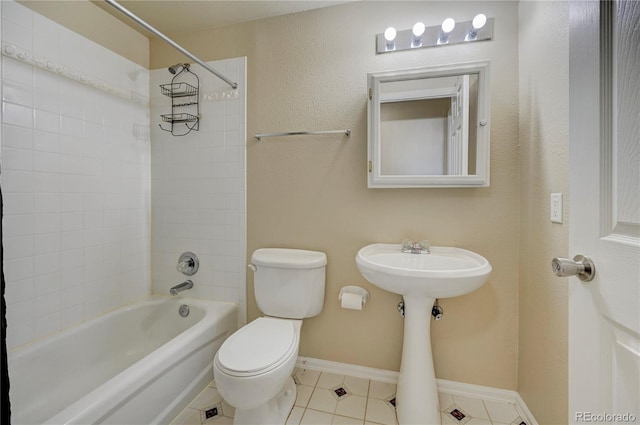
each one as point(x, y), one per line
point(183, 94)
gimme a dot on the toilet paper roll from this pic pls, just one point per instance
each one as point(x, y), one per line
point(351, 301)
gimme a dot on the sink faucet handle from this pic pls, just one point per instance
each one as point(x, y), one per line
point(421, 247)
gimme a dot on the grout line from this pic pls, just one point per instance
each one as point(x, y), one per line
point(486, 410)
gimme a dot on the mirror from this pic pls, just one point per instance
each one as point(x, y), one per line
point(429, 127)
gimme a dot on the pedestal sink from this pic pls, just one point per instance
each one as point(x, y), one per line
point(420, 279)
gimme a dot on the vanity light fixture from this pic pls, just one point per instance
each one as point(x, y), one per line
point(390, 36)
point(447, 33)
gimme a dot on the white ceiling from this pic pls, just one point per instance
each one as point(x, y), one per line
point(169, 16)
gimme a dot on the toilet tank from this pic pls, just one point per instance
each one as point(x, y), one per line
point(289, 283)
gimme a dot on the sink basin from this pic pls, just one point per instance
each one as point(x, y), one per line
point(420, 279)
point(445, 272)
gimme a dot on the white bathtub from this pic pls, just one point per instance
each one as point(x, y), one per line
point(141, 364)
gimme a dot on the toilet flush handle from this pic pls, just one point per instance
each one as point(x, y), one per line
point(252, 267)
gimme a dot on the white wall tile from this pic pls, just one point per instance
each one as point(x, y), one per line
point(17, 115)
point(18, 34)
point(46, 121)
point(16, 180)
point(19, 290)
point(47, 283)
point(15, 270)
point(47, 162)
point(46, 182)
point(18, 93)
point(17, 203)
point(18, 247)
point(197, 185)
point(46, 223)
point(47, 324)
point(46, 38)
point(17, 137)
point(19, 72)
point(17, 13)
point(90, 173)
point(20, 312)
point(71, 51)
point(17, 225)
point(47, 243)
point(46, 142)
point(64, 167)
point(17, 159)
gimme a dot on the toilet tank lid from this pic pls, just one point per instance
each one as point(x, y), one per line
point(287, 258)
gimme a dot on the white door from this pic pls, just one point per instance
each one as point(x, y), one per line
point(604, 314)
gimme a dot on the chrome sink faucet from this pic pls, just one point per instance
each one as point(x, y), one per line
point(421, 247)
point(187, 284)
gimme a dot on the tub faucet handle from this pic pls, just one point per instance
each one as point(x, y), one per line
point(188, 264)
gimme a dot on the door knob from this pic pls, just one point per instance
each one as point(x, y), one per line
point(580, 266)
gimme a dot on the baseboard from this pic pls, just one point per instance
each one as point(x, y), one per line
point(449, 387)
point(526, 413)
point(348, 369)
point(488, 393)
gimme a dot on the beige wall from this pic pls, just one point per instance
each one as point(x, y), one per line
point(90, 21)
point(544, 140)
point(308, 72)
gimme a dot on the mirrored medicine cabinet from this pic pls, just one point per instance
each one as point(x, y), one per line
point(429, 127)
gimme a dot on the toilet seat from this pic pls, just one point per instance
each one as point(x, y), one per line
point(258, 347)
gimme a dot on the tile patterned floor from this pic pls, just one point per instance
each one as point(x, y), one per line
point(328, 399)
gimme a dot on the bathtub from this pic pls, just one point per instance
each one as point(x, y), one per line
point(140, 364)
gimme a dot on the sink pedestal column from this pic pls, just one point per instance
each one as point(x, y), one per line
point(417, 393)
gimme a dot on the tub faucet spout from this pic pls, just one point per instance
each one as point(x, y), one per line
point(187, 284)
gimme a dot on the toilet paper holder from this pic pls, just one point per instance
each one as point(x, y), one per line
point(355, 290)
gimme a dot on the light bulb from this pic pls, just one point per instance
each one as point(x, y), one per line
point(390, 34)
point(418, 30)
point(479, 21)
point(448, 25)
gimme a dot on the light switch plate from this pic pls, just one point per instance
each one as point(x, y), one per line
point(556, 207)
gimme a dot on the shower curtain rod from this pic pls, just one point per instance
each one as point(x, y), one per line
point(170, 42)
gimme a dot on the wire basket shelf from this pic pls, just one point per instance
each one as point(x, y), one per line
point(181, 117)
point(178, 89)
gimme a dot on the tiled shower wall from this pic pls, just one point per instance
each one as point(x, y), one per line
point(198, 188)
point(75, 177)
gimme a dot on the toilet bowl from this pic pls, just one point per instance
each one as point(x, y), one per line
point(253, 370)
point(253, 367)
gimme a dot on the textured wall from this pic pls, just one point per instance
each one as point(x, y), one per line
point(308, 72)
point(544, 139)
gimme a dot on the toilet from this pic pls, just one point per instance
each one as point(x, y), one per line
point(253, 367)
